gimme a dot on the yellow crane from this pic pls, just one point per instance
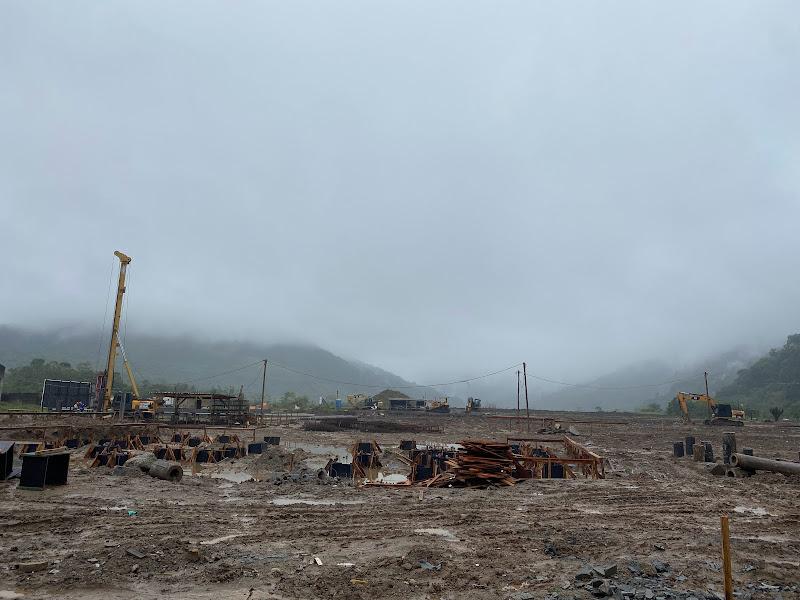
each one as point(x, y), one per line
point(124, 261)
point(144, 407)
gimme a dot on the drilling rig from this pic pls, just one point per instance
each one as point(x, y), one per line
point(144, 407)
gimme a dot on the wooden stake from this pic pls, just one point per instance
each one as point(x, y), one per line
point(726, 557)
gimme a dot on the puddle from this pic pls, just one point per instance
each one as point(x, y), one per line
point(224, 538)
point(235, 477)
point(262, 558)
point(758, 511)
point(391, 478)
point(426, 445)
point(312, 502)
point(445, 533)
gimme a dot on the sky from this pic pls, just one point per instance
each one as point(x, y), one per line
point(439, 189)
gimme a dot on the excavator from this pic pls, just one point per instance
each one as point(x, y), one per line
point(440, 405)
point(145, 408)
point(718, 414)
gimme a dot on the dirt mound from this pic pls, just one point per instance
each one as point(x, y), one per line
point(277, 458)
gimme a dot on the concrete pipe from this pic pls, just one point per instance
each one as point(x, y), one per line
point(755, 463)
point(168, 471)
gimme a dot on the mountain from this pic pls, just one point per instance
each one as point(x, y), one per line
point(771, 381)
point(650, 382)
point(164, 361)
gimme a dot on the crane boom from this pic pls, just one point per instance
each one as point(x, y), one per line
point(124, 261)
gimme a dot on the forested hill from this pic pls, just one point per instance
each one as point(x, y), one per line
point(772, 381)
point(202, 365)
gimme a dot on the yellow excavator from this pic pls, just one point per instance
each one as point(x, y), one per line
point(718, 414)
point(473, 404)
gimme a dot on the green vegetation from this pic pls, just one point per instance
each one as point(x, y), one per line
point(31, 377)
point(776, 412)
point(771, 382)
point(651, 408)
point(291, 401)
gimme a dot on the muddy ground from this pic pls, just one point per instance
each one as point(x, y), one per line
point(656, 518)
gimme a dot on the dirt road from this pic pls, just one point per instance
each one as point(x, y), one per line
point(655, 518)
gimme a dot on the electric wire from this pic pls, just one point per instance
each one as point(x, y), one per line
point(127, 301)
point(105, 316)
point(237, 369)
point(612, 388)
point(383, 385)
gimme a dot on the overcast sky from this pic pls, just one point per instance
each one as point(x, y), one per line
point(440, 189)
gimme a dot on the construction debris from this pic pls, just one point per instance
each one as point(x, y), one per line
point(479, 464)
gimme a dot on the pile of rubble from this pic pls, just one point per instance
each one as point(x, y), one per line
point(481, 463)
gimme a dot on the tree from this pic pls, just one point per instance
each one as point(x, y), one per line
point(776, 412)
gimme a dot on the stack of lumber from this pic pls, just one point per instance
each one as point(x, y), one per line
point(481, 463)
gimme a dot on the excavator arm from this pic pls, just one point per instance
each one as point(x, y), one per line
point(681, 397)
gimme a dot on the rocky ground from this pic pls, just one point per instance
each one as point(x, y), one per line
point(649, 530)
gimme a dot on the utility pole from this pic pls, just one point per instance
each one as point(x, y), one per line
point(708, 397)
point(124, 261)
point(518, 398)
point(527, 408)
point(263, 387)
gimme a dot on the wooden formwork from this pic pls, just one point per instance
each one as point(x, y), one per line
point(539, 455)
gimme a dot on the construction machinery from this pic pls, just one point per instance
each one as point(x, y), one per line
point(108, 393)
point(141, 407)
point(473, 404)
point(718, 414)
point(438, 406)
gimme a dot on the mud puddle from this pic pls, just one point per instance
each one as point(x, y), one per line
point(438, 531)
point(312, 502)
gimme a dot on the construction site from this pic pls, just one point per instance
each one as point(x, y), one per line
point(202, 494)
point(468, 506)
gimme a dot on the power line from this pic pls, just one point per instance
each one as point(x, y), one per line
point(612, 388)
point(383, 385)
point(258, 362)
point(105, 316)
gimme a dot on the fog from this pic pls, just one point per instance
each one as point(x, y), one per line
point(438, 189)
